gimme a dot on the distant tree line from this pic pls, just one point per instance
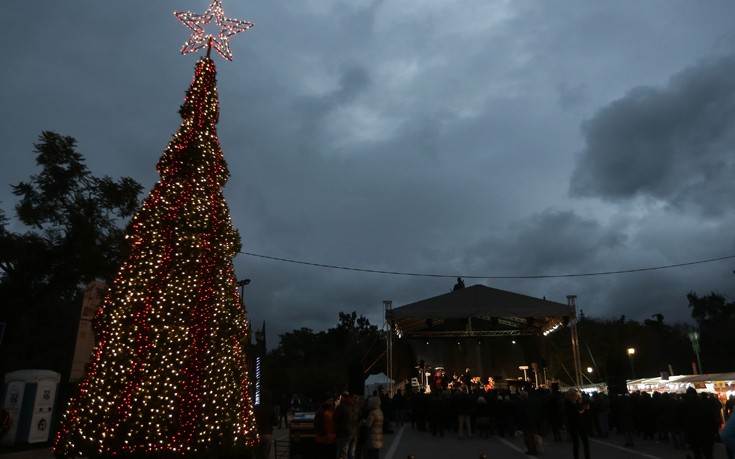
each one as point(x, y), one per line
point(660, 347)
point(314, 363)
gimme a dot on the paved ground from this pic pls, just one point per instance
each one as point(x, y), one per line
point(422, 445)
point(410, 442)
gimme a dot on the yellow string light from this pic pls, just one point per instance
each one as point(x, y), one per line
point(169, 372)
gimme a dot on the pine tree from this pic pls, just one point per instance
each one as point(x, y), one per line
point(169, 376)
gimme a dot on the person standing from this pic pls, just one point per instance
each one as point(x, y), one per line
point(624, 418)
point(554, 408)
point(728, 432)
point(374, 425)
point(266, 418)
point(464, 406)
point(346, 425)
point(700, 424)
point(435, 413)
point(482, 415)
point(466, 379)
point(326, 436)
point(400, 406)
point(283, 405)
point(528, 417)
point(575, 411)
point(728, 436)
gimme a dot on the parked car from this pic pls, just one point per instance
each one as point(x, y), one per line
point(302, 436)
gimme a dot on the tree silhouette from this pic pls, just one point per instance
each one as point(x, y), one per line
point(75, 234)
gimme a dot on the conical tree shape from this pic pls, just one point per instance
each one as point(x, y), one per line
point(169, 375)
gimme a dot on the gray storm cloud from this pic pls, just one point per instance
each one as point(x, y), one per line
point(672, 144)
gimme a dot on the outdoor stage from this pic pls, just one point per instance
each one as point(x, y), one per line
point(490, 331)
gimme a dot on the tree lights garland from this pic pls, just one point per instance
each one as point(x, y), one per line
point(169, 376)
point(199, 38)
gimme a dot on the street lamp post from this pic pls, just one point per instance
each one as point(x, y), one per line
point(242, 284)
point(631, 355)
point(694, 338)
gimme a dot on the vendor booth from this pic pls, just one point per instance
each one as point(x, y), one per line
point(722, 384)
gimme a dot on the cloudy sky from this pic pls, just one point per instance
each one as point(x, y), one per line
point(495, 140)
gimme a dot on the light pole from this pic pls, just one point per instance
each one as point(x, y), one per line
point(242, 284)
point(694, 338)
point(631, 355)
point(389, 325)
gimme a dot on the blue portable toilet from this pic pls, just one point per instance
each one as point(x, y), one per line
point(30, 398)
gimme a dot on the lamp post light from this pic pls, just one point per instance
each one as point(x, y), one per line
point(242, 284)
point(631, 355)
point(694, 338)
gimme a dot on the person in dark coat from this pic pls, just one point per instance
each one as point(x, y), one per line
point(465, 408)
point(435, 413)
point(265, 418)
point(482, 414)
point(624, 418)
point(346, 424)
point(283, 406)
point(728, 436)
point(555, 407)
point(400, 408)
point(700, 424)
point(528, 418)
point(574, 410)
point(728, 431)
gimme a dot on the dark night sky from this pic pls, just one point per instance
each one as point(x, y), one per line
point(475, 138)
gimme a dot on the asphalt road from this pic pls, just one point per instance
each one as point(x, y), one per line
point(407, 441)
point(422, 445)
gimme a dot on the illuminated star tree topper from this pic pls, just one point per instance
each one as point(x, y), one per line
point(199, 38)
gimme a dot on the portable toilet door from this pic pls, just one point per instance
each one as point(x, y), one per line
point(40, 391)
point(12, 403)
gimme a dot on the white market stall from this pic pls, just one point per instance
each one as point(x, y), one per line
point(723, 384)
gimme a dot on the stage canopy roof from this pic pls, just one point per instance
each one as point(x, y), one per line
point(479, 311)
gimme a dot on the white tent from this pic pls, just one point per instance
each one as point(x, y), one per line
point(372, 383)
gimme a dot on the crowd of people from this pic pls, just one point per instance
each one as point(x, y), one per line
point(352, 427)
point(347, 426)
point(687, 421)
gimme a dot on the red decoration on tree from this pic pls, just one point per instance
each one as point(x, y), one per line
point(199, 38)
point(169, 373)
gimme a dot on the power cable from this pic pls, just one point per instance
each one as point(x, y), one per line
point(550, 276)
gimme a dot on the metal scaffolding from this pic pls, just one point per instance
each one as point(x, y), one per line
point(388, 304)
point(572, 302)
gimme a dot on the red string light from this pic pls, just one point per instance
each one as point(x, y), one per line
point(169, 372)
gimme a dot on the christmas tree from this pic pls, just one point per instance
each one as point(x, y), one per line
point(168, 375)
